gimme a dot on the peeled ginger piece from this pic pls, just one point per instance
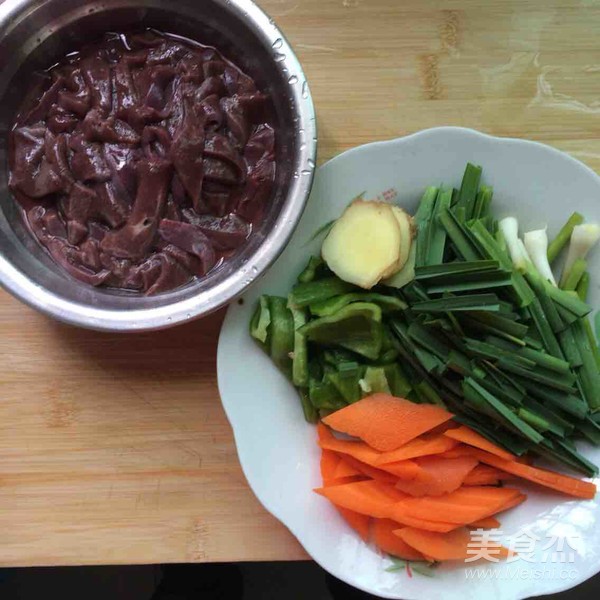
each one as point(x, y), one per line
point(364, 243)
point(407, 233)
point(407, 273)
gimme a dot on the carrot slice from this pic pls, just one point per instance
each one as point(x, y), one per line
point(446, 546)
point(512, 503)
point(472, 438)
point(398, 514)
point(561, 483)
point(344, 468)
point(438, 475)
point(385, 422)
point(369, 497)
point(421, 446)
point(458, 451)
point(360, 523)
point(488, 523)
point(368, 471)
point(366, 455)
point(323, 432)
point(454, 545)
point(384, 539)
point(462, 506)
point(358, 450)
point(405, 469)
point(329, 463)
point(444, 427)
point(486, 475)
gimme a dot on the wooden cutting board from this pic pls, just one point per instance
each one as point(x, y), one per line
point(115, 449)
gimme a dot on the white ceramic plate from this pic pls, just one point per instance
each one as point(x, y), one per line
point(278, 450)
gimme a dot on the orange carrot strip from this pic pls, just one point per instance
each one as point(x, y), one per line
point(472, 438)
point(462, 506)
point(385, 422)
point(344, 468)
point(369, 497)
point(459, 451)
point(438, 475)
point(329, 463)
point(360, 523)
point(440, 546)
point(485, 475)
point(444, 427)
point(405, 469)
point(398, 514)
point(368, 471)
point(487, 523)
point(454, 545)
point(358, 450)
point(421, 446)
point(323, 432)
point(561, 483)
point(512, 503)
point(385, 540)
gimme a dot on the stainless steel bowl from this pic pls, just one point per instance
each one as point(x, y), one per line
point(36, 33)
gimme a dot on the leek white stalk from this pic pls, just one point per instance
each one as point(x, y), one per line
point(536, 243)
point(518, 253)
point(583, 239)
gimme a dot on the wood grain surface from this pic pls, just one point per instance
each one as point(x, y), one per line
point(115, 449)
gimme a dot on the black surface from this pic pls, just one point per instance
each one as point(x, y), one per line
point(244, 581)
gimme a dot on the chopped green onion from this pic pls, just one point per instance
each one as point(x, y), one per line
point(583, 238)
point(482, 203)
point(583, 286)
point(590, 429)
point(546, 361)
point(547, 335)
point(436, 245)
point(455, 269)
point(483, 283)
point(593, 342)
point(422, 220)
point(500, 323)
point(457, 234)
point(569, 301)
point(589, 374)
point(431, 342)
point(561, 240)
point(428, 394)
point(558, 381)
point(575, 274)
point(482, 302)
point(569, 347)
point(468, 190)
point(507, 415)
